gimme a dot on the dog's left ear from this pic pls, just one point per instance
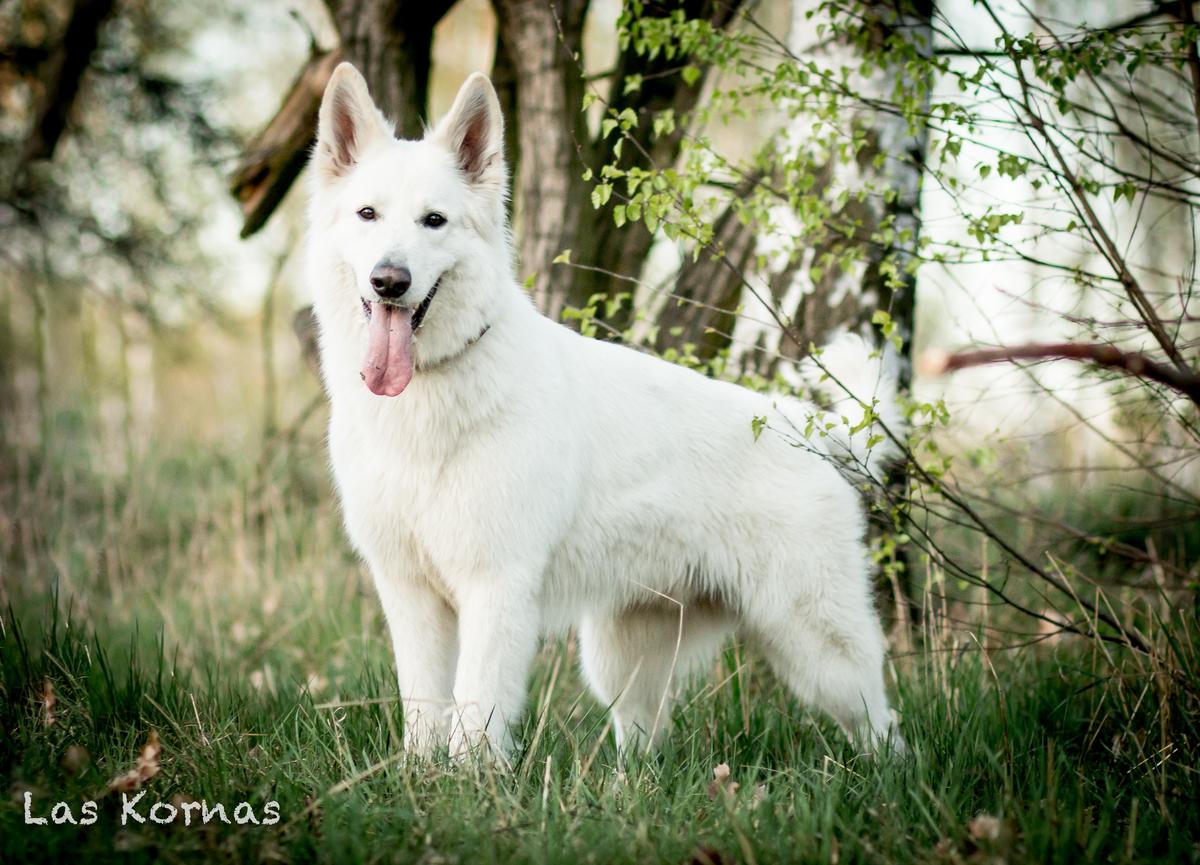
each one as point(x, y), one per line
point(473, 131)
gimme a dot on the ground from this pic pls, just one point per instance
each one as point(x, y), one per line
point(212, 605)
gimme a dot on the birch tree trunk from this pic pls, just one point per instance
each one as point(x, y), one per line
point(884, 227)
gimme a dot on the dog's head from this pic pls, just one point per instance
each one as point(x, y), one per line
point(407, 219)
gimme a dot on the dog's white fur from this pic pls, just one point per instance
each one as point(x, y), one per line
point(533, 479)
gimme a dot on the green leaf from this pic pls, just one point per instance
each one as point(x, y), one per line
point(600, 194)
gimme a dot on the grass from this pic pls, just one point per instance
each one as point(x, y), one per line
point(216, 604)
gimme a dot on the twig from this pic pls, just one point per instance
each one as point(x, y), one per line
point(1100, 236)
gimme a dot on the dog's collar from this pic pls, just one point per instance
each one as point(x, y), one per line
point(442, 361)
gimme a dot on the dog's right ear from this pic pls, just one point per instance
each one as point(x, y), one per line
point(348, 122)
point(473, 130)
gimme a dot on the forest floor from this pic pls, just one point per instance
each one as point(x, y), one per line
point(205, 634)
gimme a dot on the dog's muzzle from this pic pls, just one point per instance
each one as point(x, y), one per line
point(418, 314)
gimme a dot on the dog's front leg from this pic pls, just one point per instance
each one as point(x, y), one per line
point(498, 625)
point(425, 643)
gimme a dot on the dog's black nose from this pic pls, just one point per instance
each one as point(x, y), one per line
point(390, 281)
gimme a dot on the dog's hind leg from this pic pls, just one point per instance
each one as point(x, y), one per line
point(826, 644)
point(634, 659)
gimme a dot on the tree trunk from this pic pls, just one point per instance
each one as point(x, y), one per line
point(58, 78)
point(904, 151)
point(504, 79)
point(821, 296)
point(597, 241)
point(391, 42)
point(543, 42)
point(701, 311)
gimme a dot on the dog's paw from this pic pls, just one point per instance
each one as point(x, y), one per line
point(479, 748)
point(425, 733)
point(475, 744)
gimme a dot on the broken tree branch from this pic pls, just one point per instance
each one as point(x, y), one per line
point(277, 154)
point(1132, 363)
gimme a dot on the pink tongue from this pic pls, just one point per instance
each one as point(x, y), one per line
point(387, 368)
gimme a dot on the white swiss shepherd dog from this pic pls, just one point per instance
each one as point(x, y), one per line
point(505, 477)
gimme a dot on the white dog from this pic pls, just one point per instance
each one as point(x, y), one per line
point(504, 476)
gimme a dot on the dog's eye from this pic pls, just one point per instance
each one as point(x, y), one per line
point(433, 220)
point(366, 214)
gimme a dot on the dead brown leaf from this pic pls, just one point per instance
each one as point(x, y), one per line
point(74, 760)
point(705, 855)
point(721, 783)
point(990, 839)
point(985, 827)
point(147, 767)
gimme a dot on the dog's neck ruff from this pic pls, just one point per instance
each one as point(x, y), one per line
point(442, 361)
point(419, 317)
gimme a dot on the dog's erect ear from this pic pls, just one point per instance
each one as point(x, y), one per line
point(348, 122)
point(473, 131)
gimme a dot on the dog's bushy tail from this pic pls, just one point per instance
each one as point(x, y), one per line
point(863, 420)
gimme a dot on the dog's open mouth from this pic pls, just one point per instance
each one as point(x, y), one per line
point(418, 316)
point(388, 366)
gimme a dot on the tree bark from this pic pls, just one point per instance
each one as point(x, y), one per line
point(59, 75)
point(821, 296)
point(597, 241)
point(543, 41)
point(276, 156)
point(391, 43)
point(504, 79)
point(702, 309)
point(904, 153)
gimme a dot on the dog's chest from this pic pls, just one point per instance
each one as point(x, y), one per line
point(384, 479)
